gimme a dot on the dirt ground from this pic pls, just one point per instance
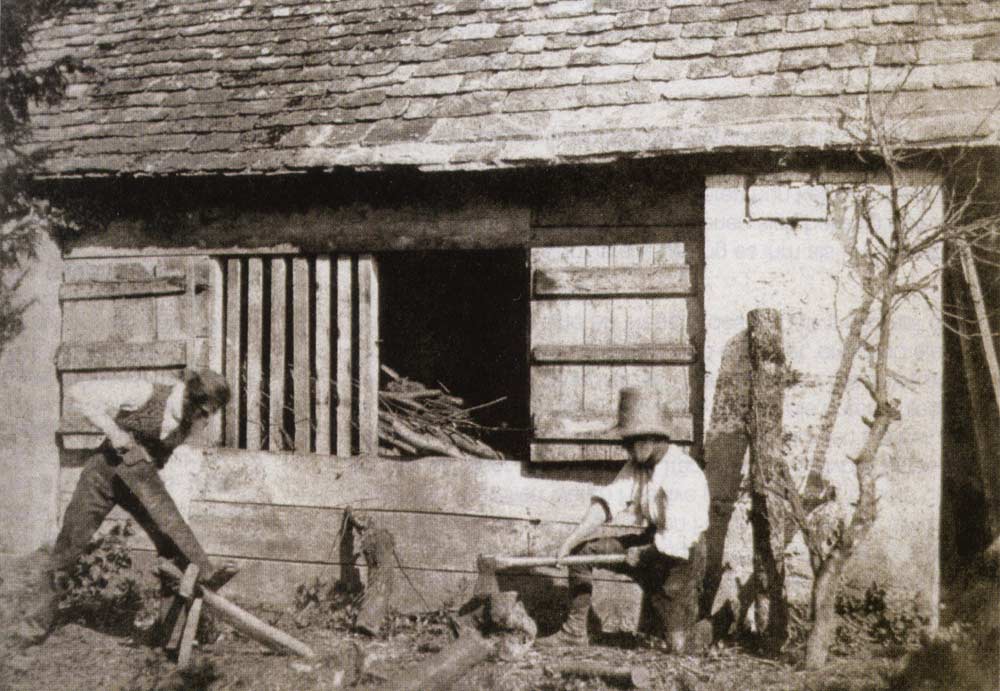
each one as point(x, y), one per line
point(82, 656)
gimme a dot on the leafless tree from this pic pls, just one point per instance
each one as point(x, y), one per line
point(899, 224)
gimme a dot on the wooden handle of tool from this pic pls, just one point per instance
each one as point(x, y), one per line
point(589, 559)
point(242, 620)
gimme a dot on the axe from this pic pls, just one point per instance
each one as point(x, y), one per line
point(487, 567)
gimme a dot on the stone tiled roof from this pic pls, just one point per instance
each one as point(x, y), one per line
point(246, 86)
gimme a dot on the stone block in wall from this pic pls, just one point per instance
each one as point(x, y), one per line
point(787, 202)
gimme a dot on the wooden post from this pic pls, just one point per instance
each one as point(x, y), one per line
point(323, 362)
point(345, 367)
point(368, 355)
point(234, 354)
point(767, 520)
point(255, 351)
point(279, 366)
point(300, 354)
point(216, 335)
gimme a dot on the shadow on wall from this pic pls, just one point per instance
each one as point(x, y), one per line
point(726, 443)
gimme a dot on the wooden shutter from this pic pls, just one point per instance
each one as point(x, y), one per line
point(604, 317)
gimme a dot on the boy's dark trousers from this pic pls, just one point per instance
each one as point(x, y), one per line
point(132, 482)
point(671, 587)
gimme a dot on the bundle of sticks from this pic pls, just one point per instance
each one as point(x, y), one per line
point(415, 420)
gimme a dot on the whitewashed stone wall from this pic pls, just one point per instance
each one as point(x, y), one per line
point(779, 241)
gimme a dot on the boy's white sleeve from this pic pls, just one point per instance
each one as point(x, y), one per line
point(100, 401)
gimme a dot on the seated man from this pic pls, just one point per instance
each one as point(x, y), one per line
point(142, 424)
point(665, 490)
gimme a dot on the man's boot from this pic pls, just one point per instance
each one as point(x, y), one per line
point(573, 631)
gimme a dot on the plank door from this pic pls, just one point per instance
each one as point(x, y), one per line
point(604, 317)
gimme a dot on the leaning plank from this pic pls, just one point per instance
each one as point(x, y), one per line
point(255, 351)
point(368, 354)
point(345, 387)
point(278, 366)
point(234, 353)
point(91, 290)
point(323, 364)
point(571, 425)
point(117, 355)
point(640, 281)
point(985, 332)
point(301, 368)
point(664, 353)
point(483, 487)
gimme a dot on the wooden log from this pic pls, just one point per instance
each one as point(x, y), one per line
point(345, 367)
point(445, 668)
point(190, 632)
point(767, 511)
point(378, 547)
point(255, 352)
point(634, 677)
point(368, 354)
point(242, 620)
point(276, 433)
point(427, 443)
point(234, 354)
point(323, 366)
point(301, 335)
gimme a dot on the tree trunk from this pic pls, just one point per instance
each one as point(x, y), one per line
point(767, 511)
point(824, 600)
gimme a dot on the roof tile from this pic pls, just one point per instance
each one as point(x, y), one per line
point(221, 86)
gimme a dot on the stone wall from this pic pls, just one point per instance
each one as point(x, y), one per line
point(29, 401)
point(779, 241)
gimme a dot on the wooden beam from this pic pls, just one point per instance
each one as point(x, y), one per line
point(301, 365)
point(323, 366)
point(345, 368)
point(234, 352)
point(216, 335)
point(255, 352)
point(279, 364)
point(93, 290)
point(119, 355)
point(572, 425)
point(562, 452)
point(657, 354)
point(639, 281)
point(368, 354)
point(619, 235)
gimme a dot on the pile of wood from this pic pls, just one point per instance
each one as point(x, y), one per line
point(415, 421)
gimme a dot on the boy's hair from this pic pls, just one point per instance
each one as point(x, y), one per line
point(205, 389)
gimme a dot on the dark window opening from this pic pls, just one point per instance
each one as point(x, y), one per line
point(459, 319)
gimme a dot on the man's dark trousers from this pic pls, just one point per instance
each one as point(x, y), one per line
point(671, 587)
